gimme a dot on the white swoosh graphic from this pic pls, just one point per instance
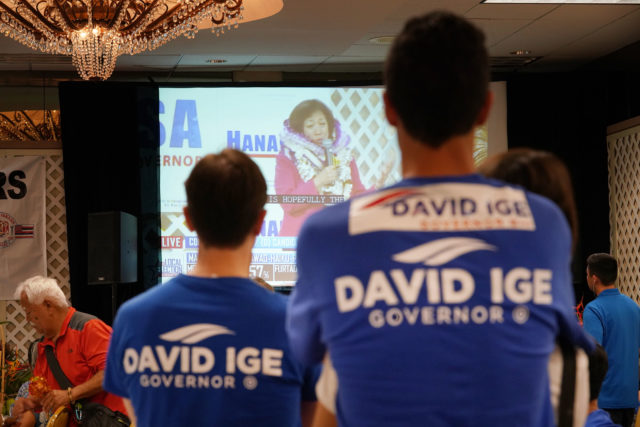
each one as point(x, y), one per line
point(195, 333)
point(441, 251)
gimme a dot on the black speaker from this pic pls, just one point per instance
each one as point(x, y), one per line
point(113, 248)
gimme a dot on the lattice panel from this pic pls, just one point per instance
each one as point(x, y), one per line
point(374, 142)
point(19, 332)
point(371, 138)
point(624, 207)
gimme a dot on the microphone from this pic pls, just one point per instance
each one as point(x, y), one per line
point(327, 143)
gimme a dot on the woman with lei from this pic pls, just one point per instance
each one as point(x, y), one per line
point(315, 159)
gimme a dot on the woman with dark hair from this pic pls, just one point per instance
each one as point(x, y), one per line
point(315, 159)
point(543, 173)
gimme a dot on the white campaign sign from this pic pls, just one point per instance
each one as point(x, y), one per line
point(22, 221)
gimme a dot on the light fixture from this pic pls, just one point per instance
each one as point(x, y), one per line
point(96, 32)
point(520, 52)
point(30, 126)
point(594, 2)
point(384, 40)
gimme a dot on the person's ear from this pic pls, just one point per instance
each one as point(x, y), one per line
point(258, 225)
point(483, 115)
point(390, 111)
point(187, 218)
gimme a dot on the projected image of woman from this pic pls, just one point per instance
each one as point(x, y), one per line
point(315, 159)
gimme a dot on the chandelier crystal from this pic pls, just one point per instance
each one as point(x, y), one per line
point(30, 126)
point(96, 32)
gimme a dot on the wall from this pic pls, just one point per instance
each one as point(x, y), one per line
point(623, 146)
point(19, 331)
point(12, 98)
point(28, 98)
point(568, 114)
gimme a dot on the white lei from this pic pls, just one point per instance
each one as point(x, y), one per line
point(310, 159)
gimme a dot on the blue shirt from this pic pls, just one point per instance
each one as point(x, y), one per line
point(204, 352)
point(439, 300)
point(614, 321)
point(600, 418)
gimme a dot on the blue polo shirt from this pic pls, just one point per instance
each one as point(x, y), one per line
point(614, 321)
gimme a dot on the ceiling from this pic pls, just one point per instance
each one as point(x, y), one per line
point(332, 36)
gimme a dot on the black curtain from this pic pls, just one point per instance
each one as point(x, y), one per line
point(110, 135)
point(568, 114)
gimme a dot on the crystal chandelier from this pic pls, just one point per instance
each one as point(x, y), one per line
point(96, 32)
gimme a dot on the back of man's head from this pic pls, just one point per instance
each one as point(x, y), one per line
point(598, 366)
point(604, 266)
point(437, 76)
point(226, 194)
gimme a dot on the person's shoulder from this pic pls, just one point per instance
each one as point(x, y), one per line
point(627, 297)
point(596, 309)
point(545, 207)
point(337, 215)
point(600, 418)
point(264, 309)
point(548, 217)
point(596, 304)
point(325, 227)
point(79, 319)
point(592, 305)
point(329, 215)
point(84, 323)
point(148, 299)
point(544, 211)
point(268, 300)
point(630, 301)
point(88, 326)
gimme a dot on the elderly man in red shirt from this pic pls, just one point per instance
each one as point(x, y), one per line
point(79, 341)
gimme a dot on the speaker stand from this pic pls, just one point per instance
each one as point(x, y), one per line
point(114, 301)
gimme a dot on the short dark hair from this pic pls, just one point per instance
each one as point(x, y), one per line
point(598, 366)
point(303, 110)
point(604, 267)
point(226, 193)
point(540, 172)
point(437, 76)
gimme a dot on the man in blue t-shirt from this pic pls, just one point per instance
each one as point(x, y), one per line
point(614, 321)
point(209, 348)
point(440, 298)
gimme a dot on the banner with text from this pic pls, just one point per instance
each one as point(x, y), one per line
point(22, 221)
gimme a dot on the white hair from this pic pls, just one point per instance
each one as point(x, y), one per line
point(39, 288)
